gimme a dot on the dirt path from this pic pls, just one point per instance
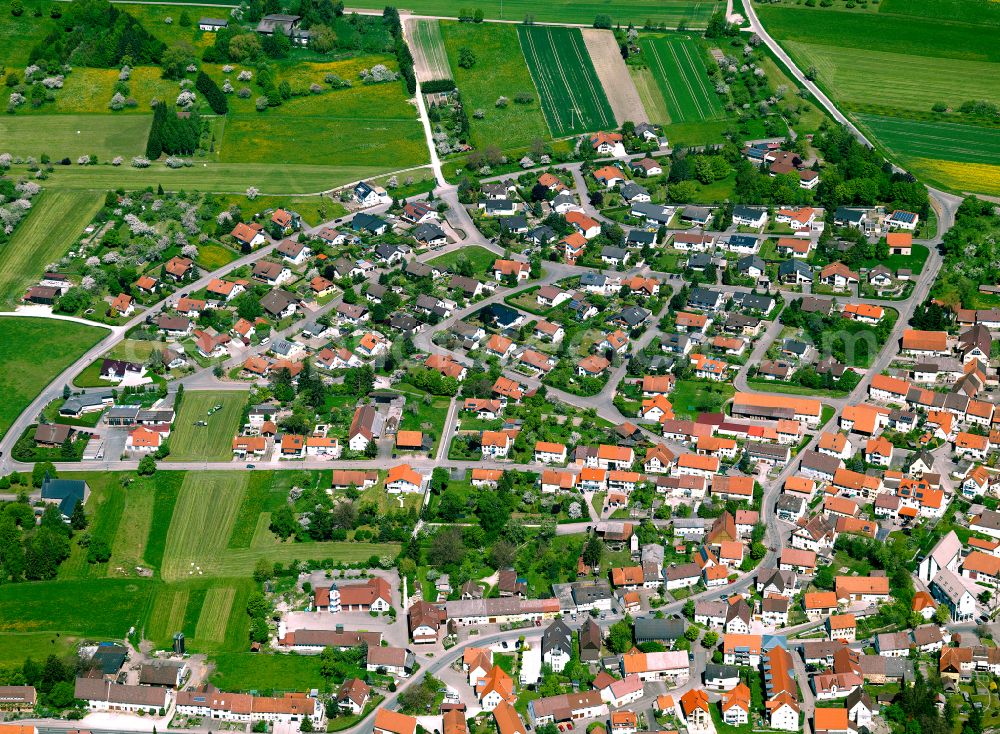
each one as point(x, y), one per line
point(614, 76)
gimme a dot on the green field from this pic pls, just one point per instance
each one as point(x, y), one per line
point(19, 34)
point(680, 73)
point(571, 94)
point(71, 136)
point(213, 442)
point(63, 606)
point(915, 36)
point(981, 12)
point(915, 54)
point(386, 144)
point(231, 178)
point(945, 140)
point(426, 36)
point(905, 82)
point(56, 220)
point(500, 70)
point(624, 12)
point(691, 397)
point(33, 352)
point(244, 671)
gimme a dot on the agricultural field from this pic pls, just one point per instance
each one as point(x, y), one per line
point(680, 73)
point(905, 82)
point(210, 612)
point(429, 54)
point(602, 46)
point(33, 351)
point(944, 140)
point(56, 220)
point(621, 12)
point(500, 70)
point(916, 54)
point(73, 135)
point(959, 157)
point(212, 442)
point(572, 97)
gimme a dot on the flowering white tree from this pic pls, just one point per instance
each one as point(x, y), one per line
point(252, 192)
point(27, 189)
point(117, 160)
point(245, 75)
point(190, 251)
point(186, 98)
point(140, 162)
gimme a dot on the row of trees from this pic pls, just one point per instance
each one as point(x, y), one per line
point(172, 133)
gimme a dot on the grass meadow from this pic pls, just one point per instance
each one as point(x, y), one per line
point(500, 70)
point(56, 220)
point(680, 73)
point(73, 135)
point(61, 606)
point(226, 178)
point(244, 671)
point(33, 352)
point(202, 533)
point(212, 442)
point(19, 34)
point(572, 97)
point(624, 12)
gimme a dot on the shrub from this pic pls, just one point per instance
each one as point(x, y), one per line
point(244, 93)
point(16, 8)
point(524, 98)
point(261, 104)
point(466, 57)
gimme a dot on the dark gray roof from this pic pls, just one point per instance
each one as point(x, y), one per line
point(648, 629)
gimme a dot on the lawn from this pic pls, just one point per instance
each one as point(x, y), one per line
point(500, 70)
point(427, 416)
point(480, 258)
point(572, 97)
point(691, 397)
point(62, 606)
point(33, 352)
point(680, 72)
point(56, 220)
point(212, 442)
point(915, 261)
point(426, 37)
point(244, 671)
point(15, 647)
point(212, 257)
point(71, 136)
point(312, 209)
point(622, 12)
